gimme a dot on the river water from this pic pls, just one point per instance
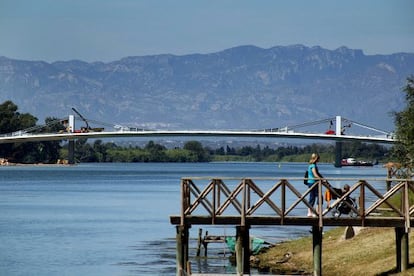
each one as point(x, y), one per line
point(113, 219)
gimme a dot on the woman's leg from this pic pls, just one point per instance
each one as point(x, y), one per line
point(312, 198)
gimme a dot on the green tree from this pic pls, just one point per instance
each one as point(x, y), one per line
point(12, 121)
point(197, 148)
point(155, 152)
point(404, 122)
point(220, 151)
point(230, 151)
point(49, 151)
point(181, 155)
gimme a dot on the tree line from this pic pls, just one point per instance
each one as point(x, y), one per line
point(194, 151)
point(11, 120)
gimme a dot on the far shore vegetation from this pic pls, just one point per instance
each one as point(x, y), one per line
point(194, 151)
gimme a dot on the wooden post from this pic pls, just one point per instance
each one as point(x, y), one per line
point(239, 251)
point(246, 247)
point(389, 176)
point(242, 249)
point(179, 252)
point(362, 203)
point(199, 240)
point(317, 250)
point(189, 268)
point(205, 244)
point(402, 249)
point(182, 249)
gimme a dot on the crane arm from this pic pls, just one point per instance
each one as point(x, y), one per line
point(80, 115)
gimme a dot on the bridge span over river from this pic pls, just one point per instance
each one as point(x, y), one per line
point(336, 132)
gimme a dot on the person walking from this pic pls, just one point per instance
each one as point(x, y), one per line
point(313, 176)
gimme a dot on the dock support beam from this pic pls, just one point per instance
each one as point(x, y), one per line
point(402, 249)
point(182, 249)
point(317, 250)
point(242, 250)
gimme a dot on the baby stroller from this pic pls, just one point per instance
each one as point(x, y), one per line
point(346, 206)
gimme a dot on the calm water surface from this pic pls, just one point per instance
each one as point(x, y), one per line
point(113, 219)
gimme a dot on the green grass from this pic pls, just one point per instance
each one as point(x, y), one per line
point(371, 252)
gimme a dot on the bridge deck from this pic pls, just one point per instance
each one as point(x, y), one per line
point(35, 137)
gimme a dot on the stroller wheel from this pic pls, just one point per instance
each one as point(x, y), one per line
point(352, 214)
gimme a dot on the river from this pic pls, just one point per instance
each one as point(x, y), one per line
point(113, 219)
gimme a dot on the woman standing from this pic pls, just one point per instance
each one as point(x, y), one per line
point(313, 176)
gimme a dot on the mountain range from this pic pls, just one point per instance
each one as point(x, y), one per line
point(244, 87)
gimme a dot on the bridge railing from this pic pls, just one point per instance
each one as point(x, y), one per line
point(284, 201)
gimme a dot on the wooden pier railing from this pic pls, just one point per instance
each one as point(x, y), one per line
point(244, 202)
point(281, 202)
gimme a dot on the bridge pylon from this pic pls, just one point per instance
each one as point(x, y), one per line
point(71, 144)
point(338, 144)
point(338, 154)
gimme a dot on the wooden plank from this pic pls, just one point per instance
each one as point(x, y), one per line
point(294, 221)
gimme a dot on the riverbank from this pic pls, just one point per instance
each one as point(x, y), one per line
point(60, 162)
point(370, 252)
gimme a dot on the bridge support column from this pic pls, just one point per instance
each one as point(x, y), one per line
point(71, 152)
point(402, 249)
point(242, 249)
point(338, 154)
point(317, 250)
point(71, 145)
point(182, 237)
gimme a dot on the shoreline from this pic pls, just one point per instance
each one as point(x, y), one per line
point(371, 252)
point(60, 162)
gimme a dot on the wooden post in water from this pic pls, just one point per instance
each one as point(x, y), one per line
point(182, 248)
point(402, 249)
point(242, 249)
point(205, 244)
point(199, 240)
point(317, 250)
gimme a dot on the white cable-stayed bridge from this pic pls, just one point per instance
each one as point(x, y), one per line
point(336, 129)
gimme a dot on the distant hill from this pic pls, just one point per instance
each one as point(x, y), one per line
point(239, 88)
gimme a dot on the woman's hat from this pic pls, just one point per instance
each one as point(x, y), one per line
point(314, 158)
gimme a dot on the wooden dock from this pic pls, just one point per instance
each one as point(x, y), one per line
point(267, 201)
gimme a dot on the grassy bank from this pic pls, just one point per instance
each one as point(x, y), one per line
point(370, 252)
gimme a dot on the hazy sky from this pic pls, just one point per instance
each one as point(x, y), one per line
point(103, 30)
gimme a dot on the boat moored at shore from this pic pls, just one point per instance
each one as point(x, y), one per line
point(352, 162)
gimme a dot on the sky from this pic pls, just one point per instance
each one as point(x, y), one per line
point(104, 30)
